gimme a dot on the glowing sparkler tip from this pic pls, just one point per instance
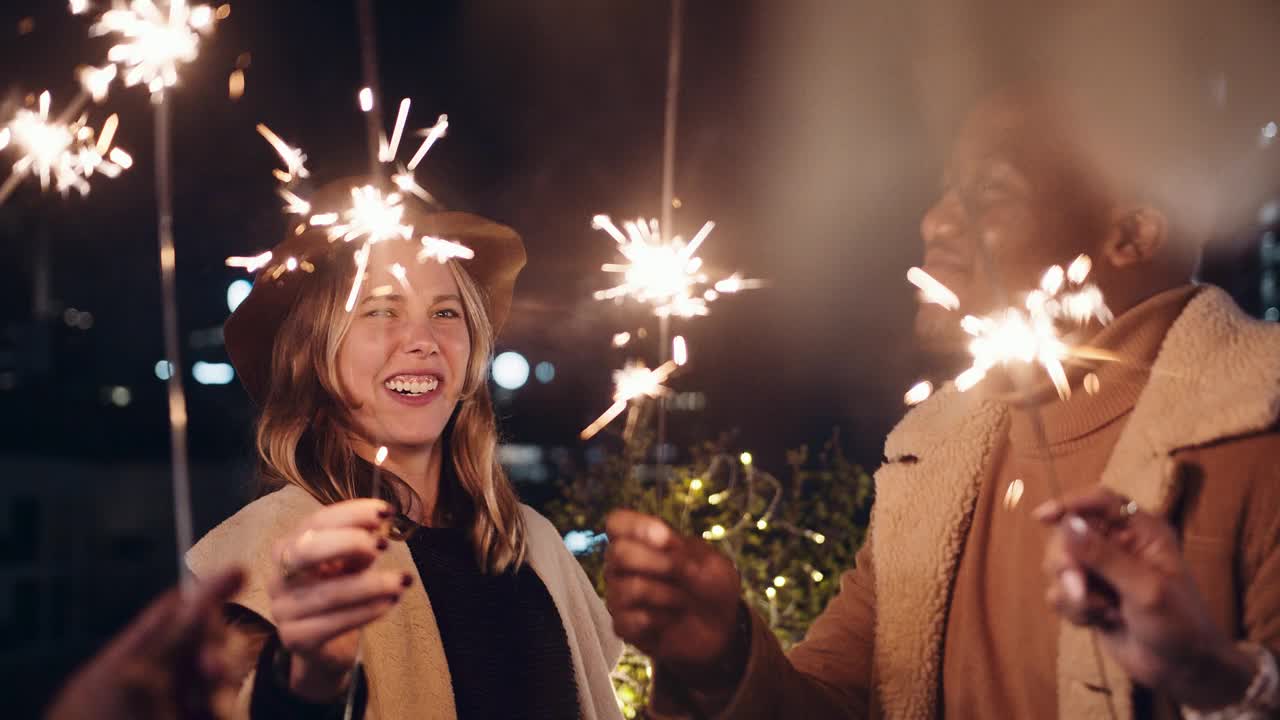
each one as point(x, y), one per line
point(58, 153)
point(621, 339)
point(381, 457)
point(153, 43)
point(632, 382)
point(442, 251)
point(932, 291)
point(78, 7)
point(235, 84)
point(665, 274)
point(1079, 269)
point(251, 264)
point(1052, 281)
point(121, 158)
point(679, 350)
point(294, 204)
point(918, 393)
point(201, 17)
point(387, 152)
point(366, 99)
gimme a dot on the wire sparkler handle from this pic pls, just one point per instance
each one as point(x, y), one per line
point(1051, 468)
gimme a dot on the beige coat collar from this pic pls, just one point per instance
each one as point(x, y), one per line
point(403, 655)
point(1217, 376)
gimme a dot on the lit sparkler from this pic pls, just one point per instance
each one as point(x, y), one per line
point(932, 291)
point(1029, 334)
point(632, 382)
point(152, 43)
point(373, 215)
point(918, 393)
point(63, 154)
point(679, 350)
point(250, 264)
point(441, 250)
point(665, 274)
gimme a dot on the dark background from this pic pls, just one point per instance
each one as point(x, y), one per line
point(811, 132)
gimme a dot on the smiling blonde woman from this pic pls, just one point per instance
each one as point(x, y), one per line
point(388, 528)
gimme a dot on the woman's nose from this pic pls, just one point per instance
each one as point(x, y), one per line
point(421, 340)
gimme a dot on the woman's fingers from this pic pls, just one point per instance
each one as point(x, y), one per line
point(340, 593)
point(309, 634)
point(327, 552)
point(364, 513)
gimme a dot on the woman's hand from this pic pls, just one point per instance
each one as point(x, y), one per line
point(327, 589)
point(1117, 569)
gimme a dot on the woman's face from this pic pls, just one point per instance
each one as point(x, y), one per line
point(404, 359)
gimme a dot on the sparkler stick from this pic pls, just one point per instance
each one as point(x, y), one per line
point(1079, 269)
point(1022, 337)
point(152, 45)
point(668, 200)
point(169, 295)
point(369, 67)
point(632, 382)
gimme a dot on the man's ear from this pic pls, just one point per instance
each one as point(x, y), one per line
point(1137, 235)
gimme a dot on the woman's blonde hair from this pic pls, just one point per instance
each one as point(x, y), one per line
point(303, 430)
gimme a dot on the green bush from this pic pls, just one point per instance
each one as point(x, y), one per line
point(790, 538)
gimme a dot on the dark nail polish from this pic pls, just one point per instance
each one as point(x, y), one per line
point(384, 513)
point(383, 543)
point(407, 580)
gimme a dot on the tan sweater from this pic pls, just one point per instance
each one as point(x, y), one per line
point(1001, 638)
point(1199, 447)
point(402, 652)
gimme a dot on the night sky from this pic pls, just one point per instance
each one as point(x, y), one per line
point(813, 172)
point(807, 130)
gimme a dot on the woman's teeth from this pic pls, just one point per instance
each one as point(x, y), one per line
point(412, 385)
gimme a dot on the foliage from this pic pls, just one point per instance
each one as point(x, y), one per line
point(790, 539)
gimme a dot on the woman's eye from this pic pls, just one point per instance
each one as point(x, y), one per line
point(448, 313)
point(379, 313)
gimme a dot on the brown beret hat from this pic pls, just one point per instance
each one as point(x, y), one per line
point(250, 332)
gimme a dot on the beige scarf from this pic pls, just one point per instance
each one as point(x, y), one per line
point(402, 653)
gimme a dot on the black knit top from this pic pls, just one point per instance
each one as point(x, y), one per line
point(505, 645)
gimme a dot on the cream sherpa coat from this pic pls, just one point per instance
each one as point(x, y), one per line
point(1200, 448)
point(402, 652)
point(1217, 376)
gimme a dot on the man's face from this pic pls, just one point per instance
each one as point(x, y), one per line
point(1015, 200)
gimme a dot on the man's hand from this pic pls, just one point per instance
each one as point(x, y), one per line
point(166, 665)
point(1117, 569)
point(675, 598)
